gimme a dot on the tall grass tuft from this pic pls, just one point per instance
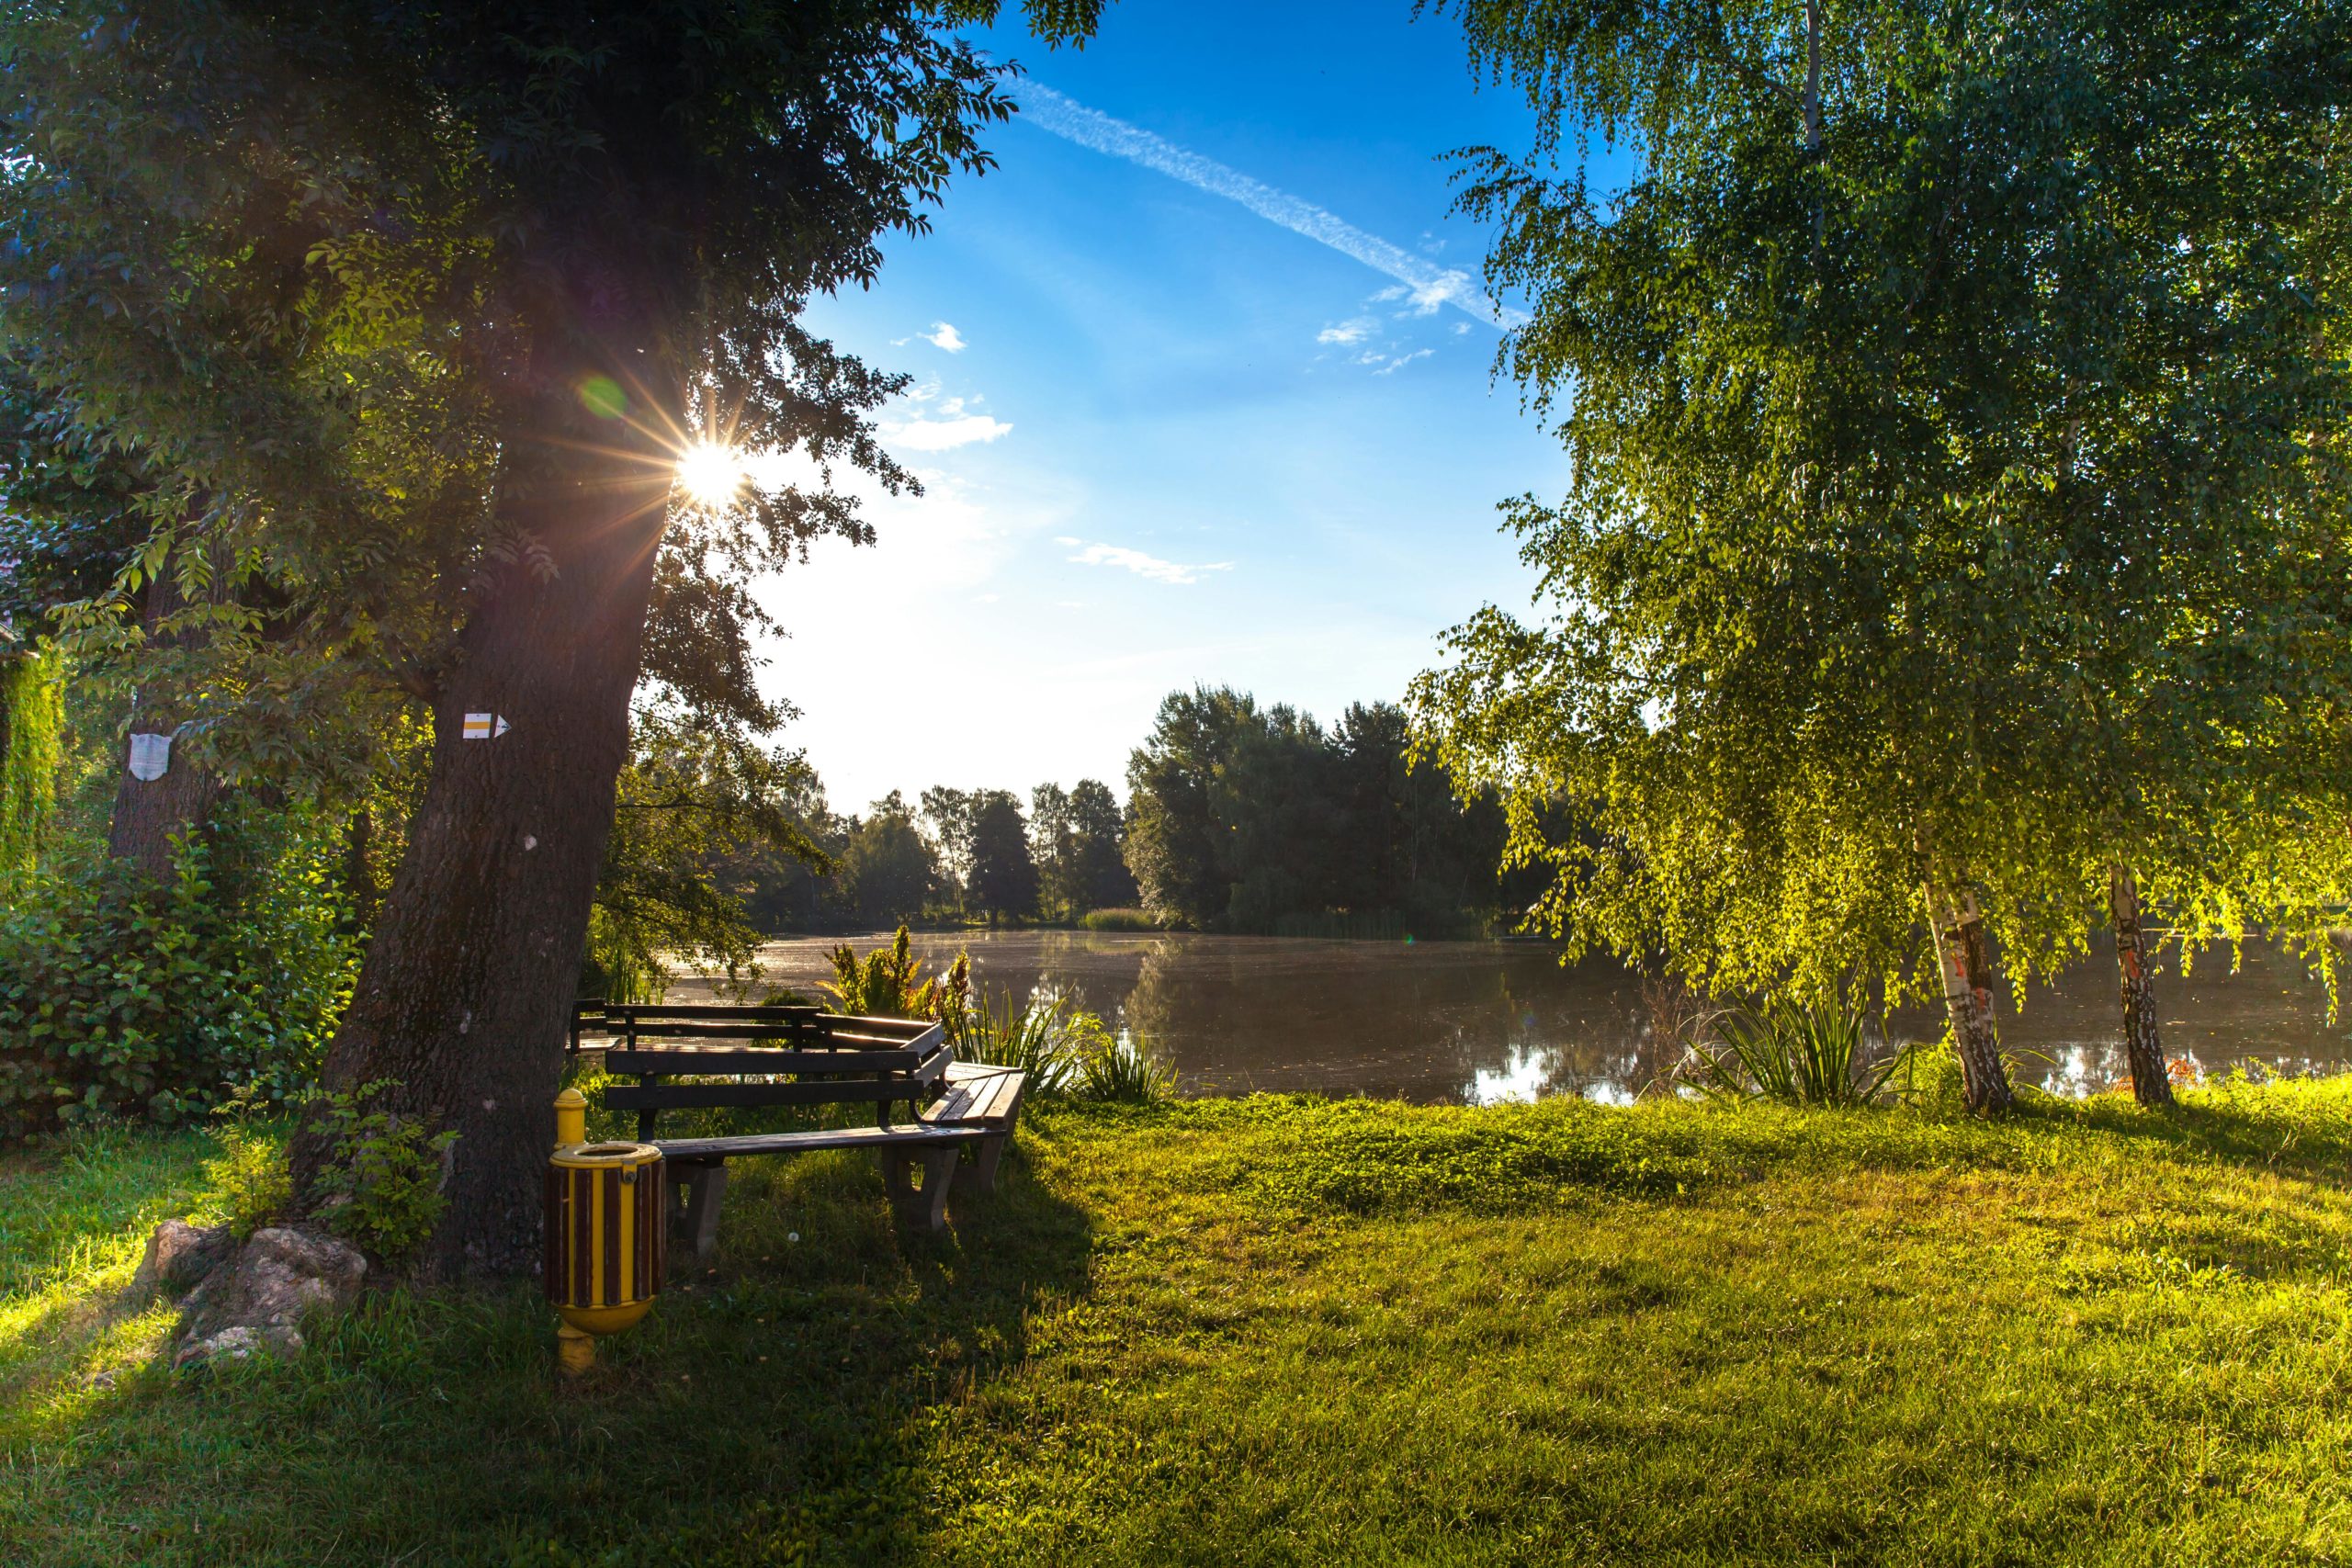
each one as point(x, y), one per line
point(1027, 1033)
point(1120, 1068)
point(1064, 1050)
point(1803, 1051)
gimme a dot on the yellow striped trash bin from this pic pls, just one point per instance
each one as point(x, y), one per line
point(606, 1234)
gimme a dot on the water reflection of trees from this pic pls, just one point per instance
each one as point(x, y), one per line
point(1451, 1021)
point(1432, 1023)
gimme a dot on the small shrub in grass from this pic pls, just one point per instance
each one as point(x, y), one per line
point(381, 1185)
point(251, 1182)
point(1932, 1078)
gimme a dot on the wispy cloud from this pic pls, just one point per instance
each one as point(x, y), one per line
point(1428, 286)
point(1353, 330)
point(1398, 362)
point(941, 435)
point(1139, 563)
point(943, 334)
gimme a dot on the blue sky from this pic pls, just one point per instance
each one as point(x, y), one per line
point(1166, 440)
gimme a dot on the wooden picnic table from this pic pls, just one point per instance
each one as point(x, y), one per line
point(708, 1056)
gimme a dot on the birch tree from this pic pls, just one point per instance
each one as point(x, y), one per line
point(1954, 548)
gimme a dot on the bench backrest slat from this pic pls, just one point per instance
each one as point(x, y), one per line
point(707, 1009)
point(668, 1061)
point(694, 1095)
point(724, 1030)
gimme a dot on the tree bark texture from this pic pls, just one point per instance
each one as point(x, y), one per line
point(1967, 964)
point(2143, 1042)
point(149, 813)
point(464, 999)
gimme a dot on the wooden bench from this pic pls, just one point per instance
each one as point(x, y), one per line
point(625, 1023)
point(834, 1059)
point(587, 1013)
point(830, 1059)
point(979, 1109)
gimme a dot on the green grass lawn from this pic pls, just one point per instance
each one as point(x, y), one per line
point(1284, 1330)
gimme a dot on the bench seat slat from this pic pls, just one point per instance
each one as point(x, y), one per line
point(903, 1042)
point(921, 1134)
point(997, 1105)
point(987, 1099)
point(960, 1103)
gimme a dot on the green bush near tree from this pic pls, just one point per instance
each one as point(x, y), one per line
point(120, 997)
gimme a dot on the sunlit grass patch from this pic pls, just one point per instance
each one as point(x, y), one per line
point(1294, 1330)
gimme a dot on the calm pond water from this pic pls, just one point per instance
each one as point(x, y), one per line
point(1446, 1021)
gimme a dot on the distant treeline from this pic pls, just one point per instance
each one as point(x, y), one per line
point(1247, 819)
point(1239, 818)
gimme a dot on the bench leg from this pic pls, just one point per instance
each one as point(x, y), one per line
point(985, 1158)
point(991, 1152)
point(938, 1176)
point(894, 1176)
point(706, 1189)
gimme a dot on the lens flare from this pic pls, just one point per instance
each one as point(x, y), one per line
point(711, 475)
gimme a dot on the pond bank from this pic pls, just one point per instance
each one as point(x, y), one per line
point(1449, 1022)
point(1279, 1330)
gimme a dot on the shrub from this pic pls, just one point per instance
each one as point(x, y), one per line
point(1117, 1067)
point(120, 997)
point(381, 1183)
point(1933, 1078)
point(1117, 920)
point(1064, 1050)
point(888, 983)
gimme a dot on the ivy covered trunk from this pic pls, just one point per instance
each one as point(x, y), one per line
point(1967, 968)
point(2143, 1042)
point(462, 1004)
point(31, 714)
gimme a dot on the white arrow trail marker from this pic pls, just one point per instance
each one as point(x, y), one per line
point(485, 726)
point(151, 757)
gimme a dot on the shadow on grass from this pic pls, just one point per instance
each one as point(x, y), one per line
point(779, 1404)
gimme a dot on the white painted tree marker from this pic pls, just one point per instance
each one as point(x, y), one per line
point(151, 757)
point(485, 726)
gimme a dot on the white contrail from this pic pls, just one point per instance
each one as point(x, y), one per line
point(1431, 286)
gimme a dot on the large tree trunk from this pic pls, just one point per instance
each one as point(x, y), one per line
point(2143, 1044)
point(149, 814)
point(465, 996)
point(1967, 967)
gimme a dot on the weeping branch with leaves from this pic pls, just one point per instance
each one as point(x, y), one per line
point(689, 799)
